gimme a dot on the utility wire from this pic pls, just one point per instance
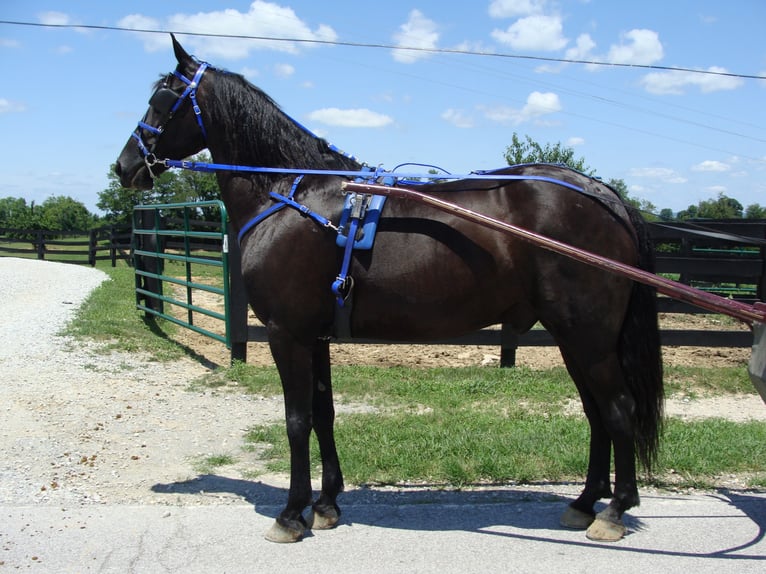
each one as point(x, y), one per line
point(390, 47)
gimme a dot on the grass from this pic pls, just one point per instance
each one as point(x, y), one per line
point(208, 464)
point(460, 426)
point(454, 426)
point(109, 316)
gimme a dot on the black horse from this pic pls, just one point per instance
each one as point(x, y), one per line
point(430, 275)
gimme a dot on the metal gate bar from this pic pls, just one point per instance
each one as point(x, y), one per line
point(151, 237)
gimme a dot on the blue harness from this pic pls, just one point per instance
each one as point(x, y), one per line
point(356, 230)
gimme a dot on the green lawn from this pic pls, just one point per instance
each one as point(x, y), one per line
point(455, 426)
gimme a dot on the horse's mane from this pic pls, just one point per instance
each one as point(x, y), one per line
point(273, 138)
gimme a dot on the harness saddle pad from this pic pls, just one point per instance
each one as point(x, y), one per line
point(365, 235)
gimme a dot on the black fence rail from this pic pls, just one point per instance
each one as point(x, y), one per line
point(107, 243)
point(727, 257)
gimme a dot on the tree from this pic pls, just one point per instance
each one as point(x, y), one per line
point(59, 213)
point(755, 211)
point(14, 212)
point(666, 214)
point(723, 207)
point(530, 151)
point(643, 205)
point(170, 187)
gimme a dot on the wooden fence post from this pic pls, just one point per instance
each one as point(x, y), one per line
point(237, 300)
point(40, 243)
point(92, 241)
point(509, 342)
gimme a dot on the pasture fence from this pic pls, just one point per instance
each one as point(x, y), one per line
point(727, 257)
point(106, 243)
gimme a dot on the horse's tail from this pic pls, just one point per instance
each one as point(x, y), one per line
point(641, 353)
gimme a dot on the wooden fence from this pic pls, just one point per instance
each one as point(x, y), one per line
point(107, 243)
point(726, 257)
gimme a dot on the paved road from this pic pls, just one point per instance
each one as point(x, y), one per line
point(420, 530)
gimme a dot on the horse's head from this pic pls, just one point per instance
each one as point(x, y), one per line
point(172, 127)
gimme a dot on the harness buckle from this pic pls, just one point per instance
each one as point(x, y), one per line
point(342, 288)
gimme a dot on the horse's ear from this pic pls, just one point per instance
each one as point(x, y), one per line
point(180, 53)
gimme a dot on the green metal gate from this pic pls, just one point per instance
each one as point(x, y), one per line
point(174, 245)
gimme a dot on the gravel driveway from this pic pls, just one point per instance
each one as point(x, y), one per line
point(80, 425)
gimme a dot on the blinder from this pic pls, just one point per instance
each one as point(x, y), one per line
point(164, 101)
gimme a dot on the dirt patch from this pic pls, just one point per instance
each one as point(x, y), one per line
point(463, 355)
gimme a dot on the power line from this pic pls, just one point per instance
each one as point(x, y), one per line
point(391, 47)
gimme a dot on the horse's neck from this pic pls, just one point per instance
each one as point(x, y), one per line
point(270, 139)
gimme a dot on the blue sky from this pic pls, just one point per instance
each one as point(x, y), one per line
point(69, 98)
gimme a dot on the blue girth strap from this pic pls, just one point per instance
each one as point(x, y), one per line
point(284, 201)
point(344, 284)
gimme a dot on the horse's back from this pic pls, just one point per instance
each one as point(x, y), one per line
point(434, 273)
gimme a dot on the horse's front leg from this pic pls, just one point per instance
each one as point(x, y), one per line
point(294, 363)
point(326, 511)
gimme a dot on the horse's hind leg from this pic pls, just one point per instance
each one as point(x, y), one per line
point(326, 511)
point(610, 411)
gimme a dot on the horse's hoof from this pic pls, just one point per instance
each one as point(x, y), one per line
point(283, 534)
point(323, 520)
point(603, 530)
point(576, 519)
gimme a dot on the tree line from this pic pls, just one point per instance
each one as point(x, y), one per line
point(60, 213)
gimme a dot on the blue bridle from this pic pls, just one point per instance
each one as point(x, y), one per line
point(166, 103)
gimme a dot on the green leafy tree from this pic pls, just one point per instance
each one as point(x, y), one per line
point(643, 205)
point(14, 212)
point(666, 214)
point(723, 207)
point(61, 213)
point(755, 211)
point(171, 187)
point(529, 151)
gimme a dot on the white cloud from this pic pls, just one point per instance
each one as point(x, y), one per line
point(575, 141)
point(675, 82)
point(512, 8)
point(417, 32)
point(9, 107)
point(350, 118)
point(284, 70)
point(54, 18)
point(538, 105)
point(537, 32)
point(250, 72)
point(152, 42)
point(638, 46)
point(582, 48)
point(663, 174)
point(711, 165)
point(457, 118)
point(264, 19)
